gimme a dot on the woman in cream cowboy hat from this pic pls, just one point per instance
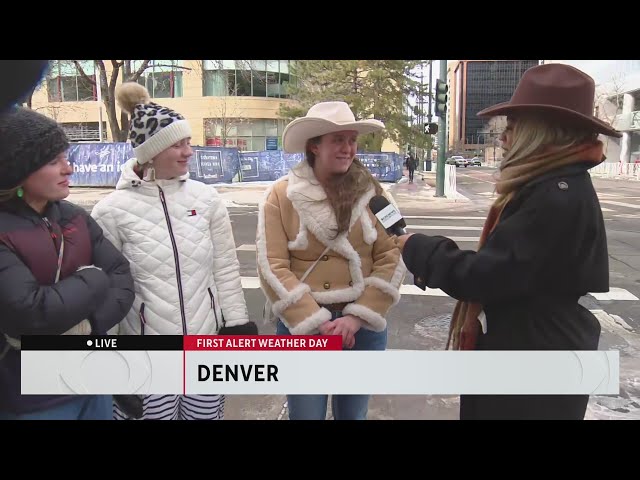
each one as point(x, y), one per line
point(543, 245)
point(323, 259)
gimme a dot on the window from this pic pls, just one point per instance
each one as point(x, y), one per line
point(243, 83)
point(246, 135)
point(272, 85)
point(489, 83)
point(65, 83)
point(245, 128)
point(271, 129)
point(216, 84)
point(259, 82)
point(163, 78)
point(246, 78)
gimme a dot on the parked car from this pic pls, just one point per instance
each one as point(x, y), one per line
point(458, 161)
point(475, 162)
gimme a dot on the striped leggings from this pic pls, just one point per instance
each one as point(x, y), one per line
point(178, 407)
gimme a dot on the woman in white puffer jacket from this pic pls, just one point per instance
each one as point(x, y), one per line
point(177, 235)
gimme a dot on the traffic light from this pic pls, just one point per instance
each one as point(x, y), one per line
point(430, 128)
point(441, 98)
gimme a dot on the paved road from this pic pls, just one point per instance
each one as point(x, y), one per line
point(420, 320)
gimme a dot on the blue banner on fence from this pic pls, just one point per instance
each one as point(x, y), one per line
point(249, 168)
point(100, 164)
point(214, 164)
point(386, 167)
point(267, 165)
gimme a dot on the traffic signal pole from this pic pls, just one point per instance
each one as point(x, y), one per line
point(441, 113)
point(429, 98)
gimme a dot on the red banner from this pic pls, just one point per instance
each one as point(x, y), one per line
point(263, 342)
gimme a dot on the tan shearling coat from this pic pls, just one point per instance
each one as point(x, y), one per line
point(363, 267)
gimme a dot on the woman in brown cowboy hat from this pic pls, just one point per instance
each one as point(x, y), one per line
point(324, 260)
point(543, 245)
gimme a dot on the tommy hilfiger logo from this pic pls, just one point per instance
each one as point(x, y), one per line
point(191, 213)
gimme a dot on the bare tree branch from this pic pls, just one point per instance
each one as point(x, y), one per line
point(82, 73)
point(168, 65)
point(226, 116)
point(139, 71)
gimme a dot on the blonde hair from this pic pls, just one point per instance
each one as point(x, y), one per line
point(532, 134)
point(539, 146)
point(343, 190)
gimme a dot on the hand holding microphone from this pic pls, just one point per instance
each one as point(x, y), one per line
point(390, 218)
point(403, 239)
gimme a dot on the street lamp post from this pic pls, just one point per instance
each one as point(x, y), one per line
point(99, 98)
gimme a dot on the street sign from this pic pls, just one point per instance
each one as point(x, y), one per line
point(430, 128)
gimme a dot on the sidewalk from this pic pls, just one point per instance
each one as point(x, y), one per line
point(420, 198)
point(416, 196)
point(421, 194)
point(88, 196)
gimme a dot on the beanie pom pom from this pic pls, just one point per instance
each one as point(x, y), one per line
point(130, 94)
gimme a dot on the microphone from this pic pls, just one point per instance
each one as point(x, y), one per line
point(388, 215)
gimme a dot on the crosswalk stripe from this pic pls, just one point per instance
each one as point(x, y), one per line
point(250, 282)
point(615, 293)
point(442, 227)
point(434, 217)
point(465, 239)
point(408, 289)
point(620, 204)
point(411, 217)
point(615, 195)
point(413, 290)
point(252, 248)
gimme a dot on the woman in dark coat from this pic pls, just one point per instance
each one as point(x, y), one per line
point(59, 275)
point(543, 245)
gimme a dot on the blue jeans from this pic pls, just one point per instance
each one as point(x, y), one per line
point(344, 407)
point(93, 407)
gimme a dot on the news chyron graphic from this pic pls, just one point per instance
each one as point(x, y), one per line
point(297, 364)
point(84, 373)
point(81, 365)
